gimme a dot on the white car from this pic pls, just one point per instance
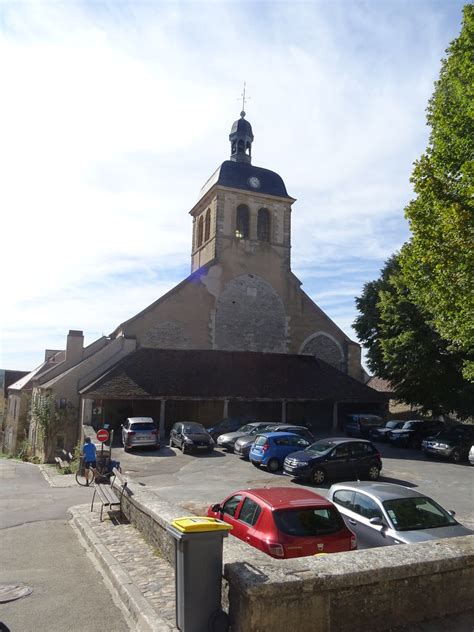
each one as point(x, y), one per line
point(471, 455)
point(138, 431)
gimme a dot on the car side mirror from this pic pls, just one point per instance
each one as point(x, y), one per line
point(216, 508)
point(377, 521)
point(451, 513)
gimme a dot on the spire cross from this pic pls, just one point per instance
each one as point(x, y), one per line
point(244, 99)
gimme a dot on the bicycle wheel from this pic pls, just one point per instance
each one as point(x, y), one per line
point(84, 477)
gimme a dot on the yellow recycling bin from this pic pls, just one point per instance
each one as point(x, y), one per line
point(198, 573)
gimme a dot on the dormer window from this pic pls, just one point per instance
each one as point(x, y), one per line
point(243, 222)
point(263, 225)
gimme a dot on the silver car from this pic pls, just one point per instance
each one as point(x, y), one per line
point(138, 431)
point(470, 456)
point(228, 439)
point(382, 514)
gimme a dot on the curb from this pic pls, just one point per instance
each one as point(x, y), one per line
point(140, 616)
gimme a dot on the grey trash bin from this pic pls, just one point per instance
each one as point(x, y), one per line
point(198, 573)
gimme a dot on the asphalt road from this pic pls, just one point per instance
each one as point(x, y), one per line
point(196, 481)
point(39, 548)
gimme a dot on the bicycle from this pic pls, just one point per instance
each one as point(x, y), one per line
point(88, 476)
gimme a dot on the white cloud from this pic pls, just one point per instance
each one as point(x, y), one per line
point(113, 116)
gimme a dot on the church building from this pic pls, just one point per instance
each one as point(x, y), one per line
point(243, 303)
point(237, 337)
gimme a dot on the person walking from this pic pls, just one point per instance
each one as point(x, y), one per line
point(89, 455)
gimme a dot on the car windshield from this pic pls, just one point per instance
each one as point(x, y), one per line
point(411, 425)
point(247, 428)
point(193, 427)
point(310, 521)
point(392, 424)
point(409, 514)
point(143, 425)
point(261, 440)
point(321, 446)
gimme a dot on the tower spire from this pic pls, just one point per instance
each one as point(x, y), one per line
point(241, 136)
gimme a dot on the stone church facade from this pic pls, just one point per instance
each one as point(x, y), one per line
point(241, 294)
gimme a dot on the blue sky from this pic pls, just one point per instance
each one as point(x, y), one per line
point(114, 114)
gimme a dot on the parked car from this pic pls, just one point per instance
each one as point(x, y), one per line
point(382, 514)
point(191, 436)
point(361, 425)
point(243, 444)
point(285, 522)
point(471, 455)
point(231, 424)
point(381, 434)
point(139, 431)
point(413, 433)
point(270, 449)
point(228, 439)
point(452, 443)
point(334, 458)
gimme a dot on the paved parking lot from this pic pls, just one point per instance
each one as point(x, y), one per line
point(196, 481)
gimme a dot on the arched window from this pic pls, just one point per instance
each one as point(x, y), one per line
point(242, 227)
point(241, 146)
point(200, 231)
point(207, 225)
point(263, 225)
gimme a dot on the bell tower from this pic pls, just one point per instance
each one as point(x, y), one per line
point(244, 212)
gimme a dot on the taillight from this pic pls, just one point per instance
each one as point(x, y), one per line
point(265, 446)
point(276, 549)
point(353, 542)
point(131, 433)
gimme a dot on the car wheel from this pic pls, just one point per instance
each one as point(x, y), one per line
point(273, 465)
point(318, 476)
point(373, 473)
point(456, 455)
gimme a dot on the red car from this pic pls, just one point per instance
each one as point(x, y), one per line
point(285, 521)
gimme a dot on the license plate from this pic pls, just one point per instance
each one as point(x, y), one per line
point(202, 447)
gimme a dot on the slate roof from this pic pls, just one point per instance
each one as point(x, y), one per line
point(237, 174)
point(150, 373)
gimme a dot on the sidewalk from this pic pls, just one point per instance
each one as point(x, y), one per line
point(141, 579)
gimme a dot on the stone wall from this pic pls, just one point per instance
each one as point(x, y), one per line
point(358, 591)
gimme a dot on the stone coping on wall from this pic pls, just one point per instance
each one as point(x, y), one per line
point(379, 587)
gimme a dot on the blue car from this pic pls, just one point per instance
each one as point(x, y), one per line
point(271, 448)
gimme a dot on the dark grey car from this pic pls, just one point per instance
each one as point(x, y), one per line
point(191, 436)
point(382, 514)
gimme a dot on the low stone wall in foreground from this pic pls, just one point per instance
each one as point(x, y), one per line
point(358, 591)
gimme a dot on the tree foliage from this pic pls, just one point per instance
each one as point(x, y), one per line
point(405, 349)
point(438, 263)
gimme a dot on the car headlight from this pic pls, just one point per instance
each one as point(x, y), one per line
point(443, 446)
point(302, 463)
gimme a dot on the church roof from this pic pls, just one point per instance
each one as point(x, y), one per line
point(208, 374)
point(237, 175)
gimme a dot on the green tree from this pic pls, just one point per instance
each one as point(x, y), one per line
point(404, 348)
point(49, 419)
point(438, 264)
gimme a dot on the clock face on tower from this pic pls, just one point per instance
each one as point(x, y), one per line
point(254, 182)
